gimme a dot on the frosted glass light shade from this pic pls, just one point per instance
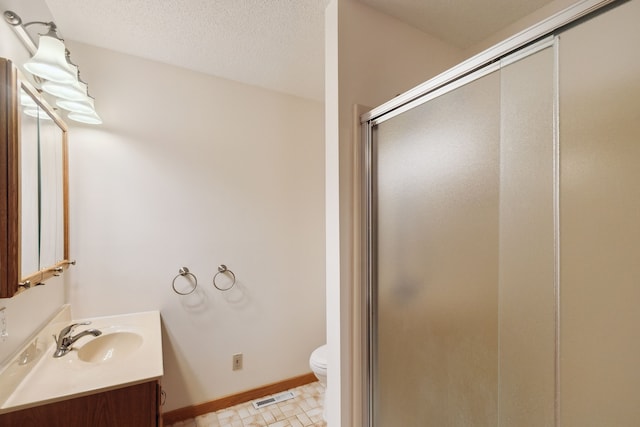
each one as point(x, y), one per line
point(50, 61)
point(76, 91)
point(81, 111)
point(84, 106)
point(91, 118)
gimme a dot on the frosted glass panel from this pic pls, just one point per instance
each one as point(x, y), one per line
point(527, 286)
point(437, 261)
point(600, 220)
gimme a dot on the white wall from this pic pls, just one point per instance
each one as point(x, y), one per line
point(370, 58)
point(28, 311)
point(196, 171)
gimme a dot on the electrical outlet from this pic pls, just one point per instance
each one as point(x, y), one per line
point(237, 361)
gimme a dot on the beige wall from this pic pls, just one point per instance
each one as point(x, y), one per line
point(192, 170)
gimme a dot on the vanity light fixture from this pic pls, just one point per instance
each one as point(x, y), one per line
point(53, 70)
point(76, 91)
point(50, 61)
point(91, 118)
point(81, 111)
point(81, 106)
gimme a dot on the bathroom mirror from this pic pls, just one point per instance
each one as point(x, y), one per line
point(33, 183)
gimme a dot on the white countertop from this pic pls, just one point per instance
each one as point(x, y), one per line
point(47, 379)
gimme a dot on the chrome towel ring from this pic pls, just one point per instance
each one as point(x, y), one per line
point(184, 272)
point(222, 269)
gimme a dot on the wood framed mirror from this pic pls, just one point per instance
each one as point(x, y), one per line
point(34, 231)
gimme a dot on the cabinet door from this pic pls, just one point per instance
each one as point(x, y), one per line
point(134, 406)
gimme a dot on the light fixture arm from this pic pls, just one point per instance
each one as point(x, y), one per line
point(53, 28)
point(14, 20)
point(50, 24)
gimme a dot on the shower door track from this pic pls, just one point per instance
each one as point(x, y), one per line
point(531, 35)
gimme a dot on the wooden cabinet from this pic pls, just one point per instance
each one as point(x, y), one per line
point(133, 406)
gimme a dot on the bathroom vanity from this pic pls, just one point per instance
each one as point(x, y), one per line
point(132, 406)
point(109, 380)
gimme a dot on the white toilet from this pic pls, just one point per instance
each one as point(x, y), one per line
point(318, 364)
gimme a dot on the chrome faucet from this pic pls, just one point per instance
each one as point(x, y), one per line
point(64, 341)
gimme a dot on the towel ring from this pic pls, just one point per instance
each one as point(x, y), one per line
point(221, 270)
point(183, 272)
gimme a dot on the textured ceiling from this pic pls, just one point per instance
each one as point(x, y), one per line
point(276, 44)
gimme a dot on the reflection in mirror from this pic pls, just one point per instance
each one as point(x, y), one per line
point(29, 261)
point(51, 196)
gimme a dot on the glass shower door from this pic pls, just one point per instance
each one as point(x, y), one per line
point(437, 201)
point(464, 268)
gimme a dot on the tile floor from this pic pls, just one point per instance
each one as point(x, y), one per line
point(302, 411)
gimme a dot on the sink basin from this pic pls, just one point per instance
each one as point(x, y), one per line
point(110, 346)
point(129, 351)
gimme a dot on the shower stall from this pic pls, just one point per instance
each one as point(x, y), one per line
point(503, 235)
